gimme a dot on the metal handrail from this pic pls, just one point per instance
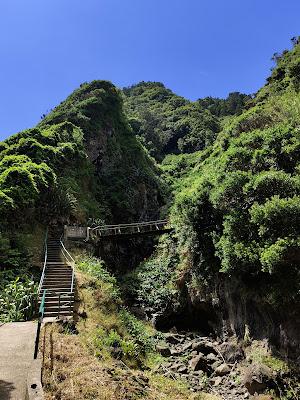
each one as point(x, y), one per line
point(158, 222)
point(40, 321)
point(45, 260)
point(72, 262)
point(42, 306)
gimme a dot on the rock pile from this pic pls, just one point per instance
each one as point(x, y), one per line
point(205, 363)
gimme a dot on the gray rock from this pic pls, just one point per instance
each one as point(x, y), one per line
point(232, 352)
point(172, 338)
point(176, 352)
point(217, 380)
point(211, 357)
point(163, 349)
point(204, 347)
point(186, 347)
point(199, 363)
point(216, 364)
point(196, 363)
point(256, 378)
point(183, 369)
point(222, 370)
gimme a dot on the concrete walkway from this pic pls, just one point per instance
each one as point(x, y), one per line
point(16, 358)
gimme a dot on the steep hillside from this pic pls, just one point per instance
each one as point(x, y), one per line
point(235, 253)
point(81, 161)
point(223, 286)
point(170, 124)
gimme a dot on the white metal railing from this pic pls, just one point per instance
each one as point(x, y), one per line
point(134, 224)
point(70, 260)
point(123, 229)
point(45, 260)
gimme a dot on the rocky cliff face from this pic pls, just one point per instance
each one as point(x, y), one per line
point(231, 308)
point(122, 178)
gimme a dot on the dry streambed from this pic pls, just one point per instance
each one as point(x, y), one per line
point(218, 367)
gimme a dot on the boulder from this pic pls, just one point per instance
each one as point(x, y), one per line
point(163, 349)
point(186, 347)
point(173, 338)
point(232, 352)
point(199, 363)
point(222, 370)
point(256, 378)
point(211, 357)
point(217, 380)
point(204, 347)
point(176, 352)
point(182, 369)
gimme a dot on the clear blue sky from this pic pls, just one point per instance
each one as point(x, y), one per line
point(195, 47)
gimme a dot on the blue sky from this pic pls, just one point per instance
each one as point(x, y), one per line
point(195, 47)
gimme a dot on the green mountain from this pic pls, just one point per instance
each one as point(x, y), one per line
point(170, 124)
point(236, 209)
point(226, 172)
point(82, 161)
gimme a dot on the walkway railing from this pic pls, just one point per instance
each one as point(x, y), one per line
point(45, 260)
point(129, 229)
point(136, 228)
point(70, 260)
point(40, 321)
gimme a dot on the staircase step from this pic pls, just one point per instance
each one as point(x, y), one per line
point(58, 289)
point(58, 277)
point(63, 301)
point(56, 286)
point(56, 262)
point(55, 313)
point(61, 271)
point(55, 297)
point(62, 308)
point(52, 291)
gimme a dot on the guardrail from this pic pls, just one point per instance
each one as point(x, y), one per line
point(45, 260)
point(128, 229)
point(40, 320)
point(70, 260)
point(135, 228)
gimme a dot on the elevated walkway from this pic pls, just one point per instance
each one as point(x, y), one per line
point(103, 232)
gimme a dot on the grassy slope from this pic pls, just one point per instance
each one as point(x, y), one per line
point(111, 356)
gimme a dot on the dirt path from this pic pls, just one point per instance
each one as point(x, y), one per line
point(16, 357)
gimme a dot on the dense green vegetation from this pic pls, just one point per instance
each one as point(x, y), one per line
point(82, 161)
point(236, 205)
point(232, 166)
point(170, 124)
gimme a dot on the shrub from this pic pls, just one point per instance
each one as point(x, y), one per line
point(18, 300)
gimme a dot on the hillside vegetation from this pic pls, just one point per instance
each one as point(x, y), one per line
point(237, 208)
point(226, 173)
point(170, 124)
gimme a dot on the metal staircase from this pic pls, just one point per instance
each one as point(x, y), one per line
point(57, 280)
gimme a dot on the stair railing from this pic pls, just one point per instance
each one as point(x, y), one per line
point(40, 321)
point(45, 260)
point(70, 259)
